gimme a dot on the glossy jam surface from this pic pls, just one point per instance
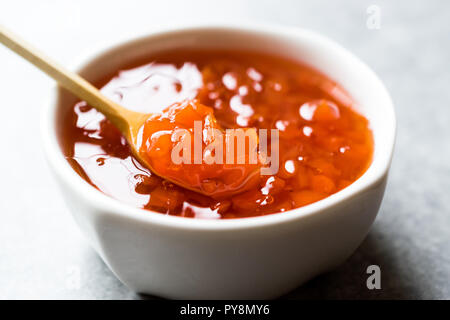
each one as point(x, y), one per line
point(180, 145)
point(324, 144)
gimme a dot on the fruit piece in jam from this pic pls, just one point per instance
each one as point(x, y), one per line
point(185, 145)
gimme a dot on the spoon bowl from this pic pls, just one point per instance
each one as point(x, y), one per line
point(128, 122)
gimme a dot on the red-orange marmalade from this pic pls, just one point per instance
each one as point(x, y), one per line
point(324, 145)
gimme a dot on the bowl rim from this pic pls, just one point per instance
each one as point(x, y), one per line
point(109, 205)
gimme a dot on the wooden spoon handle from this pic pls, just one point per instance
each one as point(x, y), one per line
point(67, 79)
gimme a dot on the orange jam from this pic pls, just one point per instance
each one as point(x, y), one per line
point(190, 166)
point(324, 145)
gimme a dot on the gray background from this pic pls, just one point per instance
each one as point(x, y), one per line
point(42, 253)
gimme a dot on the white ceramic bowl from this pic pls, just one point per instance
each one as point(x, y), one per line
point(261, 257)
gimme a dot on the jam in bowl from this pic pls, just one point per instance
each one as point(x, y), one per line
point(336, 127)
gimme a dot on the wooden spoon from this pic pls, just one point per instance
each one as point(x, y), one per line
point(128, 122)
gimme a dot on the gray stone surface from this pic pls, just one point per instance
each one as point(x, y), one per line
point(43, 255)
